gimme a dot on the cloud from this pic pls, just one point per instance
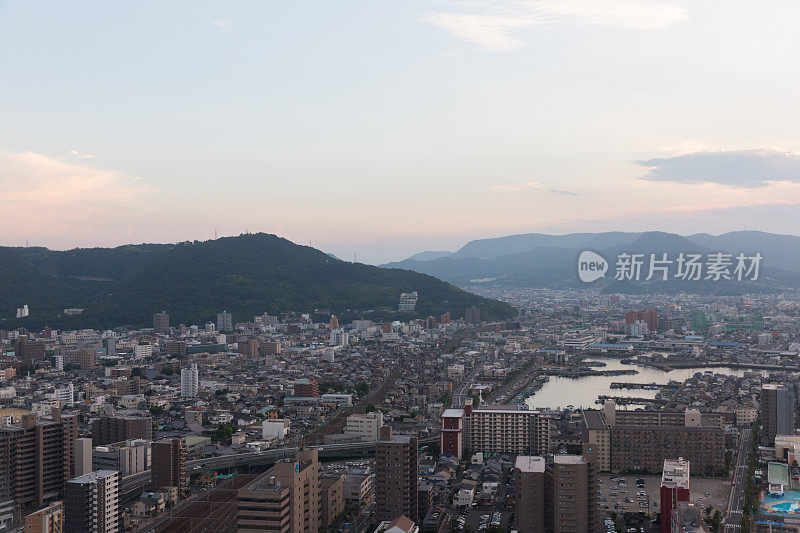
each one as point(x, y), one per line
point(521, 187)
point(532, 185)
point(81, 155)
point(742, 168)
point(44, 196)
point(224, 25)
point(503, 25)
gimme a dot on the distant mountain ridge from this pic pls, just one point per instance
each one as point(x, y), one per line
point(246, 275)
point(540, 260)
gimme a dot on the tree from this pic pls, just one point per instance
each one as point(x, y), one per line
point(433, 449)
point(156, 410)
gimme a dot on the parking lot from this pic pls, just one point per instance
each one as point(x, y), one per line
point(617, 496)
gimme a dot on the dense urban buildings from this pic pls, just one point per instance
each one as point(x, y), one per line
point(471, 408)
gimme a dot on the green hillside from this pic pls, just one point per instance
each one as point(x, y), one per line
point(247, 275)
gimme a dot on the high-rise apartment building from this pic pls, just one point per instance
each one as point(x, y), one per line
point(674, 489)
point(285, 499)
point(306, 388)
point(331, 499)
point(472, 315)
point(47, 520)
point(530, 493)
point(168, 463)
point(91, 503)
point(640, 441)
point(408, 301)
point(777, 411)
point(649, 317)
point(28, 349)
point(558, 495)
point(367, 426)
point(116, 428)
point(495, 429)
point(248, 347)
point(190, 381)
point(36, 457)
point(161, 322)
point(396, 471)
point(224, 321)
point(573, 479)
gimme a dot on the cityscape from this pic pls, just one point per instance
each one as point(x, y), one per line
point(682, 418)
point(399, 266)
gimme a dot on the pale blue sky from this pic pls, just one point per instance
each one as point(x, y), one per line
point(383, 127)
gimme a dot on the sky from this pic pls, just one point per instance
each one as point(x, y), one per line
point(375, 129)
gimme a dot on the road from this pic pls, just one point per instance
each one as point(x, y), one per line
point(733, 515)
point(131, 485)
point(463, 391)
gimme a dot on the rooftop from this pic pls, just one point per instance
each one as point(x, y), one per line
point(528, 463)
point(676, 473)
point(93, 476)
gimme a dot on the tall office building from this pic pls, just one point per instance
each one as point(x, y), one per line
point(168, 463)
point(674, 489)
point(472, 315)
point(224, 321)
point(190, 381)
point(777, 412)
point(116, 428)
point(285, 499)
point(161, 322)
point(47, 520)
point(36, 457)
point(558, 495)
point(530, 493)
point(396, 471)
point(91, 503)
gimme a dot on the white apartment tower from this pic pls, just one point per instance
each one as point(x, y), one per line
point(190, 381)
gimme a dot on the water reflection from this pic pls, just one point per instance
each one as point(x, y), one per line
point(582, 392)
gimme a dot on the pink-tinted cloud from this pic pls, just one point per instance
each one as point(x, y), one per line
point(46, 199)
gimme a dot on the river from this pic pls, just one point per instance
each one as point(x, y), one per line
point(582, 392)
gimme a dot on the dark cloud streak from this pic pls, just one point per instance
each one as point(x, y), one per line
point(743, 168)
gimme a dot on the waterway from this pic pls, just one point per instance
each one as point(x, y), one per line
point(582, 392)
